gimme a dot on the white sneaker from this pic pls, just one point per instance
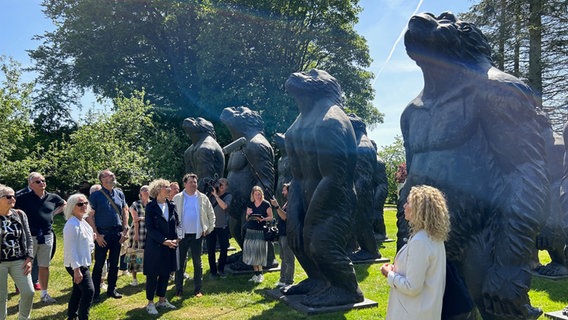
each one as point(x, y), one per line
point(151, 308)
point(280, 284)
point(104, 286)
point(165, 304)
point(254, 278)
point(134, 283)
point(259, 279)
point(47, 299)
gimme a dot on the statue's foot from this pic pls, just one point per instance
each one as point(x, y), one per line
point(333, 296)
point(306, 286)
point(565, 311)
point(240, 266)
point(237, 256)
point(553, 269)
point(380, 237)
point(274, 264)
point(363, 255)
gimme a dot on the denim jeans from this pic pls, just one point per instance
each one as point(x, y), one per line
point(221, 234)
point(189, 243)
point(81, 295)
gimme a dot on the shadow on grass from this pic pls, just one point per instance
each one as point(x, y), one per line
point(556, 289)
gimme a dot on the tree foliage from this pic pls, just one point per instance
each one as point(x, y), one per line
point(530, 41)
point(393, 155)
point(193, 58)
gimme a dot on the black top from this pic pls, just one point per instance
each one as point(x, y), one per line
point(281, 223)
point(261, 211)
point(39, 210)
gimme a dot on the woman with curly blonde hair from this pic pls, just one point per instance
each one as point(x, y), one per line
point(417, 277)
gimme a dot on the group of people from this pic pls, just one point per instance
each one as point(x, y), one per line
point(167, 225)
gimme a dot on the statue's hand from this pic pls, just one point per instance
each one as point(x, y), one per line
point(505, 294)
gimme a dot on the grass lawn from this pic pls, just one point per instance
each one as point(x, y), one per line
point(236, 298)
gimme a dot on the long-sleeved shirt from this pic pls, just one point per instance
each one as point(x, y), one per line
point(78, 243)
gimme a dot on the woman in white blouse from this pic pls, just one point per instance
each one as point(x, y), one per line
point(418, 276)
point(78, 242)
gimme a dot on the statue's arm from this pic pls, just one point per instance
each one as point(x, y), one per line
point(261, 157)
point(508, 121)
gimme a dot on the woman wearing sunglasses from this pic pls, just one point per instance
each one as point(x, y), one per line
point(16, 253)
point(78, 241)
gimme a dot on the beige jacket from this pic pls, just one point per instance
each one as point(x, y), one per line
point(206, 214)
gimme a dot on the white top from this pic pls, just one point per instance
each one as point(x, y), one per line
point(165, 210)
point(419, 280)
point(78, 243)
point(190, 219)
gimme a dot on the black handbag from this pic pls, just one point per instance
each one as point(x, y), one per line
point(270, 232)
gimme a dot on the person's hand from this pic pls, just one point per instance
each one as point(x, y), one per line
point(249, 210)
point(274, 203)
point(77, 276)
point(386, 268)
point(27, 267)
point(100, 238)
point(123, 237)
point(172, 244)
point(214, 192)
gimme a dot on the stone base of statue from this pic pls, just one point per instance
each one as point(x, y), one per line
point(553, 271)
point(556, 315)
point(294, 301)
point(240, 267)
point(365, 257)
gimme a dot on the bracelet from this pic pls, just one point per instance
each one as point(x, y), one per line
point(276, 207)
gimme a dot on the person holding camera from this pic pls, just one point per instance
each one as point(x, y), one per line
point(220, 200)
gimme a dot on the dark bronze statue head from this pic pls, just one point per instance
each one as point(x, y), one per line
point(430, 39)
point(315, 83)
point(242, 119)
point(193, 126)
point(358, 125)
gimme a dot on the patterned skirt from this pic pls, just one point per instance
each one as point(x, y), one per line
point(255, 248)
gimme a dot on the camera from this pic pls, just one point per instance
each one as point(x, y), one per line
point(211, 184)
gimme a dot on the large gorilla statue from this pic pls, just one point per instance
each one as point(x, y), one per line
point(472, 133)
point(380, 197)
point(252, 166)
point(204, 156)
point(321, 147)
point(365, 184)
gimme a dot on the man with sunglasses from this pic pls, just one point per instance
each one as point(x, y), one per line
point(40, 206)
point(109, 220)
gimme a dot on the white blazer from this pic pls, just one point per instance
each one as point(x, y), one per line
point(418, 280)
point(206, 214)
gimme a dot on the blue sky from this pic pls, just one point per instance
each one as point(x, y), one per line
point(397, 79)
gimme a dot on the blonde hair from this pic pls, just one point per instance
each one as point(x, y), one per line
point(156, 186)
point(256, 188)
point(429, 212)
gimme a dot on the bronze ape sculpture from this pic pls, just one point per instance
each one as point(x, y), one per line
point(472, 133)
point(379, 198)
point(251, 166)
point(284, 174)
point(365, 185)
point(204, 156)
point(321, 148)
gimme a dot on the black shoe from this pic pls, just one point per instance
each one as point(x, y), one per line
point(96, 298)
point(114, 294)
point(179, 293)
point(222, 275)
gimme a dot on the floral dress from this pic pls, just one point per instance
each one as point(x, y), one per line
point(134, 264)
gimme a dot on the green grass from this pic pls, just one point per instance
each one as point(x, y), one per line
point(236, 298)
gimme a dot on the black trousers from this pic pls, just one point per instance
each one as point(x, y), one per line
point(112, 248)
point(156, 285)
point(81, 295)
point(221, 234)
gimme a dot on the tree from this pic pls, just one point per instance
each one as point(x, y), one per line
point(393, 155)
point(193, 58)
point(17, 154)
point(530, 41)
point(125, 140)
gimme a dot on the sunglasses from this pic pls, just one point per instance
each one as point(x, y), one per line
point(39, 181)
point(80, 204)
point(9, 196)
